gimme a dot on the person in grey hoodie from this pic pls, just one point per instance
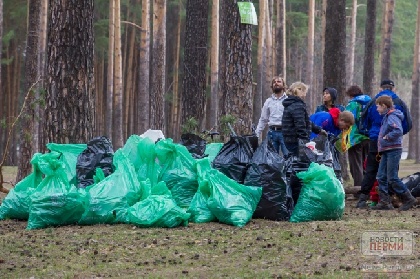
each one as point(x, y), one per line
point(389, 153)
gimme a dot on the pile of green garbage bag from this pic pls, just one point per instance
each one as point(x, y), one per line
point(322, 197)
point(153, 184)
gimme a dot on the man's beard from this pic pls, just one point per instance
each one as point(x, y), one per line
point(277, 89)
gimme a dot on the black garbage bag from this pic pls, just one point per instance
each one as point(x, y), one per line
point(266, 170)
point(292, 167)
point(253, 140)
point(98, 154)
point(412, 182)
point(325, 154)
point(195, 145)
point(330, 155)
point(234, 157)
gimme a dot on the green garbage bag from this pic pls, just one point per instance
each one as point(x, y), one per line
point(17, 202)
point(141, 153)
point(69, 154)
point(178, 171)
point(148, 166)
point(130, 150)
point(212, 149)
point(322, 195)
point(55, 202)
point(159, 209)
point(99, 175)
point(232, 203)
point(116, 192)
point(199, 210)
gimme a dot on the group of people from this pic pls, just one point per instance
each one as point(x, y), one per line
point(289, 122)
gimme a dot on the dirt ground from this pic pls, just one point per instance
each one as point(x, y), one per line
point(261, 249)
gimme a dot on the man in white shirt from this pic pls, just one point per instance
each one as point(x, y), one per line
point(272, 114)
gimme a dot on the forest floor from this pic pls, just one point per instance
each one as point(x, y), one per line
point(261, 249)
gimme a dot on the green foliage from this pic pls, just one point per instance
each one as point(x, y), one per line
point(3, 123)
point(224, 127)
point(190, 126)
point(7, 61)
point(297, 27)
point(9, 36)
point(101, 35)
point(403, 38)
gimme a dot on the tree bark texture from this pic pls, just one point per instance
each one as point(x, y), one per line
point(117, 100)
point(335, 56)
point(39, 123)
point(388, 24)
point(70, 92)
point(335, 47)
point(369, 60)
point(26, 122)
point(414, 135)
point(281, 38)
point(214, 79)
point(310, 98)
point(143, 111)
point(237, 89)
point(157, 93)
point(261, 62)
point(110, 71)
point(176, 100)
point(352, 42)
point(194, 85)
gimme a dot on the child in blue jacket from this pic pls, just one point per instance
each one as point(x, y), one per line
point(389, 152)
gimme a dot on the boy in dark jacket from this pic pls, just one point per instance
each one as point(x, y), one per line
point(372, 165)
point(389, 150)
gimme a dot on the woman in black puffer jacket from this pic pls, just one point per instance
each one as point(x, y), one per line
point(296, 124)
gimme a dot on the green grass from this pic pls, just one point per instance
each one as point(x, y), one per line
point(261, 249)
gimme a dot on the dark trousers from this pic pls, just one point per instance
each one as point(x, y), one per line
point(293, 148)
point(357, 155)
point(372, 166)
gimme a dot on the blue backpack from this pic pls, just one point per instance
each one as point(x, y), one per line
point(364, 126)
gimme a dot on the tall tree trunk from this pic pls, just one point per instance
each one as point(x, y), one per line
point(261, 62)
point(143, 113)
point(100, 100)
point(39, 123)
point(194, 85)
point(117, 118)
point(28, 117)
point(214, 62)
point(237, 90)
point(70, 95)
point(157, 97)
point(352, 42)
point(129, 91)
point(413, 147)
point(269, 57)
point(387, 27)
point(335, 47)
point(281, 38)
point(310, 98)
point(110, 72)
point(176, 102)
point(335, 56)
point(369, 59)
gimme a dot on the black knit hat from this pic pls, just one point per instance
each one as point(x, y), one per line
point(387, 82)
point(333, 93)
